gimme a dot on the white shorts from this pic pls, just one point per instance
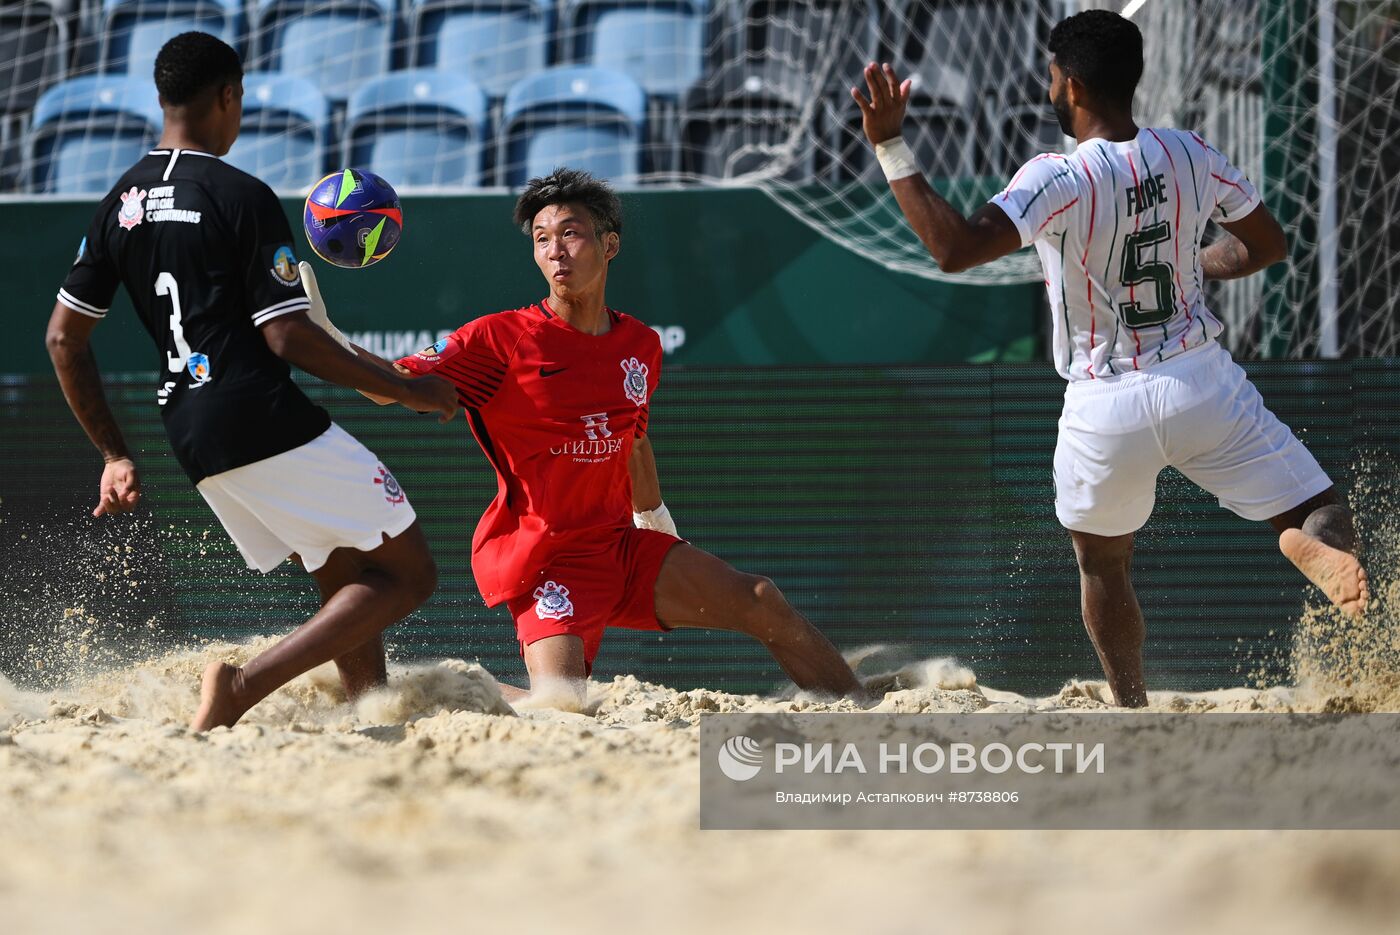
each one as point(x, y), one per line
point(1196, 412)
point(328, 494)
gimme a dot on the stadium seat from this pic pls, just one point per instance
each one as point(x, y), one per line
point(285, 121)
point(585, 118)
point(134, 30)
point(944, 45)
point(739, 121)
point(660, 43)
point(337, 45)
point(35, 45)
point(497, 43)
point(87, 131)
point(831, 38)
point(419, 127)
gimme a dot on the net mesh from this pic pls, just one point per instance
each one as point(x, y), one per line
point(451, 95)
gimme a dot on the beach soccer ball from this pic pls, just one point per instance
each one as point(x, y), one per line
point(353, 218)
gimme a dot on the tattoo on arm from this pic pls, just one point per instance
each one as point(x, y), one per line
point(1227, 258)
point(82, 387)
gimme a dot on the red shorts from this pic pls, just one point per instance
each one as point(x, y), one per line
point(612, 584)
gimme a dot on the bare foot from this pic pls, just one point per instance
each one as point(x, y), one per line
point(218, 706)
point(1337, 573)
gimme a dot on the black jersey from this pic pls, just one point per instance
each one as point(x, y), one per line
point(205, 253)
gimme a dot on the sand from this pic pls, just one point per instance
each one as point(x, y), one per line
point(434, 807)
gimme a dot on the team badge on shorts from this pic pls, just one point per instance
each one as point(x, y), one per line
point(393, 493)
point(634, 380)
point(552, 602)
point(131, 213)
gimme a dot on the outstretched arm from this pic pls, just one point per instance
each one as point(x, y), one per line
point(648, 510)
point(71, 353)
point(298, 341)
point(956, 243)
point(1250, 244)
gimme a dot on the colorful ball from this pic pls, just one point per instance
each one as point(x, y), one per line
point(353, 218)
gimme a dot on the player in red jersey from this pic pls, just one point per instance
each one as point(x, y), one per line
point(578, 537)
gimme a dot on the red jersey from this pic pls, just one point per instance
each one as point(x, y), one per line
point(555, 410)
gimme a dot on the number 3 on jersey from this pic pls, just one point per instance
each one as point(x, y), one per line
point(166, 285)
point(1139, 269)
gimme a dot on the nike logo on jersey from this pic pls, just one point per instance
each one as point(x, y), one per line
point(550, 373)
point(1149, 193)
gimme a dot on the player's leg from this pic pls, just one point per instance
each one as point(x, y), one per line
point(1258, 469)
point(1319, 537)
point(559, 625)
point(696, 589)
point(396, 577)
point(363, 668)
point(1111, 612)
point(1107, 458)
point(558, 668)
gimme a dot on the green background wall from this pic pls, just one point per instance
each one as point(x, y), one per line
point(746, 282)
point(898, 494)
point(904, 506)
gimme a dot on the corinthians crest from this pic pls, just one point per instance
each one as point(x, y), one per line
point(393, 493)
point(552, 602)
point(634, 380)
point(131, 212)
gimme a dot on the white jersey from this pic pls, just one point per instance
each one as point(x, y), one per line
point(1118, 228)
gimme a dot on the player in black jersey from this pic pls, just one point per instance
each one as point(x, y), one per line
point(205, 253)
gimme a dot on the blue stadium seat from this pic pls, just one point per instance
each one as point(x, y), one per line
point(419, 127)
point(86, 132)
point(497, 43)
point(335, 44)
point(284, 131)
point(35, 45)
point(660, 43)
point(584, 118)
point(134, 30)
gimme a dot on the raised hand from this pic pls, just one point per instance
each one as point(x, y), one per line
point(883, 115)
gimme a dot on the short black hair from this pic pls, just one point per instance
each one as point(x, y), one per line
point(1103, 50)
point(570, 186)
point(194, 62)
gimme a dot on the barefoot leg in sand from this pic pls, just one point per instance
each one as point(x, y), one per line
point(394, 579)
point(1111, 612)
point(696, 589)
point(1319, 537)
point(558, 675)
point(364, 668)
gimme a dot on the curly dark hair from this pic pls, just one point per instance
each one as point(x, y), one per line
point(192, 63)
point(1103, 50)
point(570, 186)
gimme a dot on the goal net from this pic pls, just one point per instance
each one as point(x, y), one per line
point(463, 95)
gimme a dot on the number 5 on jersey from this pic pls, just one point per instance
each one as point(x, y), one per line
point(1139, 269)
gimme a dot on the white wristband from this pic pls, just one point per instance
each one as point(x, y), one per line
point(897, 159)
point(658, 519)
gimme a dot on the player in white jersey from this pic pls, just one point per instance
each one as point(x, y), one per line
point(1118, 225)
